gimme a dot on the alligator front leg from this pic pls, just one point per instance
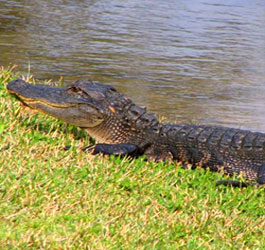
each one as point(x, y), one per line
point(112, 149)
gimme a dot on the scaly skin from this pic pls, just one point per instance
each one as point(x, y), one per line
point(122, 128)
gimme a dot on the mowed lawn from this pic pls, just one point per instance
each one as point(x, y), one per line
point(53, 198)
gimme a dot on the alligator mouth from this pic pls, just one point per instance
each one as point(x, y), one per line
point(29, 102)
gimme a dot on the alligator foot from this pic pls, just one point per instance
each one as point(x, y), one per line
point(261, 175)
point(239, 184)
point(112, 149)
point(260, 180)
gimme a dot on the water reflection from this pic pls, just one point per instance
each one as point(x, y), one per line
point(192, 61)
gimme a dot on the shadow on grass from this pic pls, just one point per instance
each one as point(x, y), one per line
point(47, 125)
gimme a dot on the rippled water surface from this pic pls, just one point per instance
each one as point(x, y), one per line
point(199, 61)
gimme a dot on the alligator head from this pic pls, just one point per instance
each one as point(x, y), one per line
point(108, 116)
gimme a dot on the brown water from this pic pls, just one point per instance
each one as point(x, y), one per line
point(199, 61)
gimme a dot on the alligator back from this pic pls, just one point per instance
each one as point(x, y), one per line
point(233, 150)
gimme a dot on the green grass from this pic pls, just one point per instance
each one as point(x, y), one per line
point(56, 199)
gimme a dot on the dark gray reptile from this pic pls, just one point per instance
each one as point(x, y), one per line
point(122, 128)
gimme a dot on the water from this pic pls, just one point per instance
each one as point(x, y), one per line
point(189, 61)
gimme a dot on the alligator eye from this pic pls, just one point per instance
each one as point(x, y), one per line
point(112, 89)
point(74, 89)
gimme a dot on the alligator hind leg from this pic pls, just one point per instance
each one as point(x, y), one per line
point(112, 149)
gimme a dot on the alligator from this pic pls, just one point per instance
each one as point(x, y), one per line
point(120, 127)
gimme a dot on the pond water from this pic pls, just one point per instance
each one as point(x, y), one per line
point(199, 61)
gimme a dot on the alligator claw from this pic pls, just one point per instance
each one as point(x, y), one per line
point(89, 149)
point(67, 147)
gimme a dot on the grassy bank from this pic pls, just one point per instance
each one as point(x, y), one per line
point(57, 199)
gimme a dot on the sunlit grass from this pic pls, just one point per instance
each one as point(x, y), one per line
point(53, 198)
